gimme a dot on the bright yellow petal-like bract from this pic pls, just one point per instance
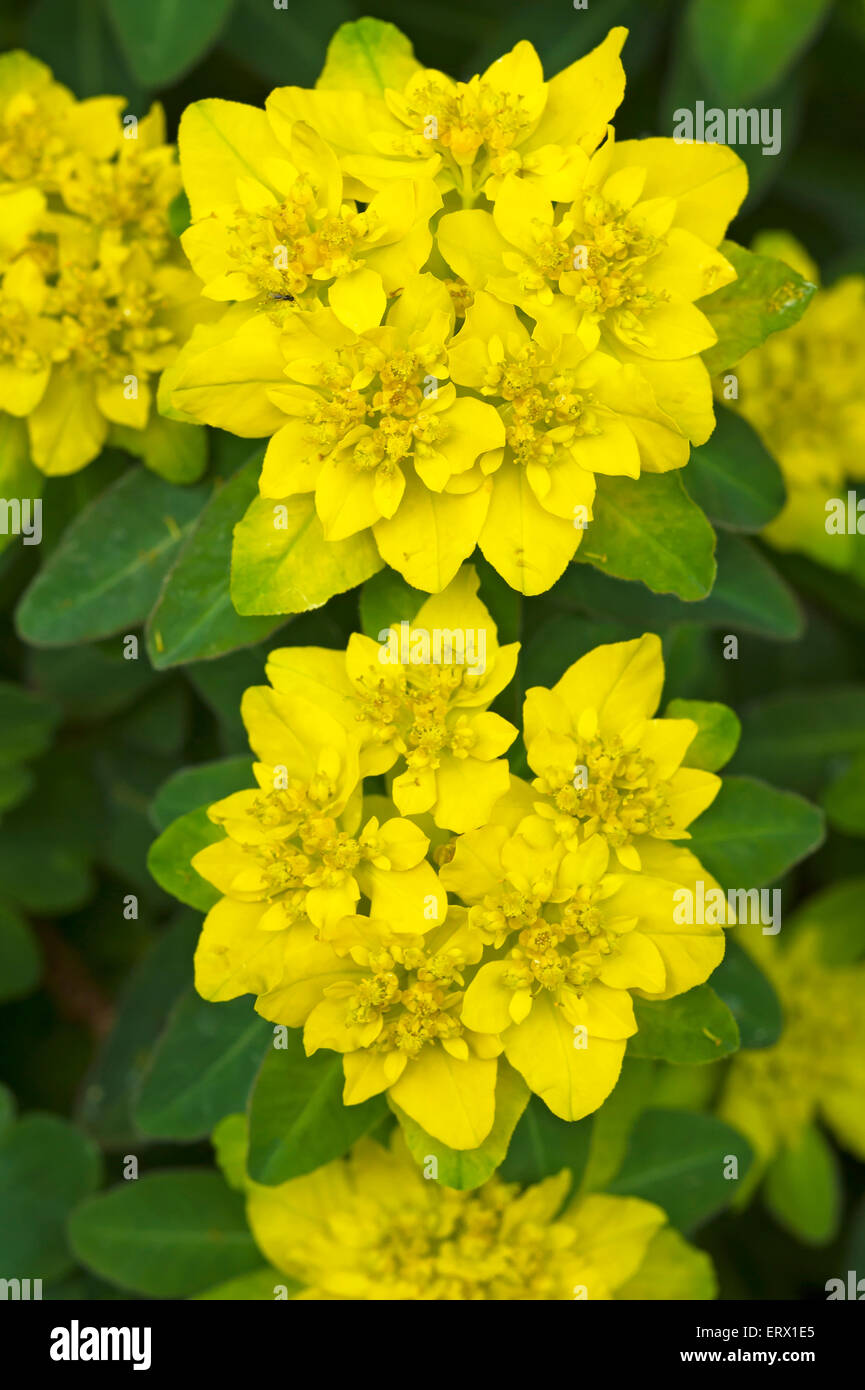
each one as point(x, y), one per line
point(95, 298)
point(453, 306)
point(369, 1227)
point(563, 893)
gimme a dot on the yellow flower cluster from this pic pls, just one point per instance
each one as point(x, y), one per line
point(369, 1227)
point(423, 955)
point(804, 392)
point(94, 296)
point(452, 305)
point(816, 1070)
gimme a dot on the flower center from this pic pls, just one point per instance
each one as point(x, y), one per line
point(288, 250)
point(544, 408)
point(612, 790)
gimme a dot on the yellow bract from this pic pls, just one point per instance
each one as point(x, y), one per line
point(95, 299)
point(354, 225)
point(334, 917)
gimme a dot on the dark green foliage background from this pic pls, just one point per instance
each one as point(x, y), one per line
point(100, 736)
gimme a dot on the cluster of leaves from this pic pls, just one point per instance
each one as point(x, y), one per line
point(108, 746)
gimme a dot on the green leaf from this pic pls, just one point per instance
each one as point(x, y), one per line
point(168, 1235)
point(169, 860)
point(202, 1067)
point(281, 562)
point(648, 528)
point(177, 451)
point(744, 46)
point(74, 38)
point(165, 38)
point(46, 1166)
point(752, 834)
point(799, 737)
point(844, 799)
point(385, 600)
point(91, 683)
point(468, 1168)
point(677, 1159)
point(672, 1269)
point(16, 784)
point(803, 1188)
point(194, 618)
point(694, 1027)
point(542, 1145)
point(297, 1120)
point(733, 477)
point(261, 1285)
point(112, 1084)
point(7, 1109)
point(193, 787)
point(767, 296)
point(718, 731)
point(749, 996)
point(105, 575)
point(27, 723)
point(368, 56)
point(273, 44)
point(611, 1126)
point(18, 476)
point(748, 596)
point(20, 956)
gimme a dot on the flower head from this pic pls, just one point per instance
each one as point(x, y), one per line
point(370, 1227)
point(507, 120)
point(803, 391)
point(815, 1071)
point(94, 299)
point(418, 701)
point(575, 263)
point(334, 918)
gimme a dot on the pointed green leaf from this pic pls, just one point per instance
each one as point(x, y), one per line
point(167, 1235)
point(194, 618)
point(297, 1120)
point(105, 574)
point(752, 834)
point(733, 477)
point(678, 1160)
point(368, 55)
point(767, 296)
point(281, 562)
point(648, 528)
point(718, 731)
point(693, 1027)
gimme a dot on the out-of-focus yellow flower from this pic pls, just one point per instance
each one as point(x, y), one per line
point(804, 392)
point(507, 120)
point(94, 299)
point(816, 1070)
point(418, 700)
point(370, 1227)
